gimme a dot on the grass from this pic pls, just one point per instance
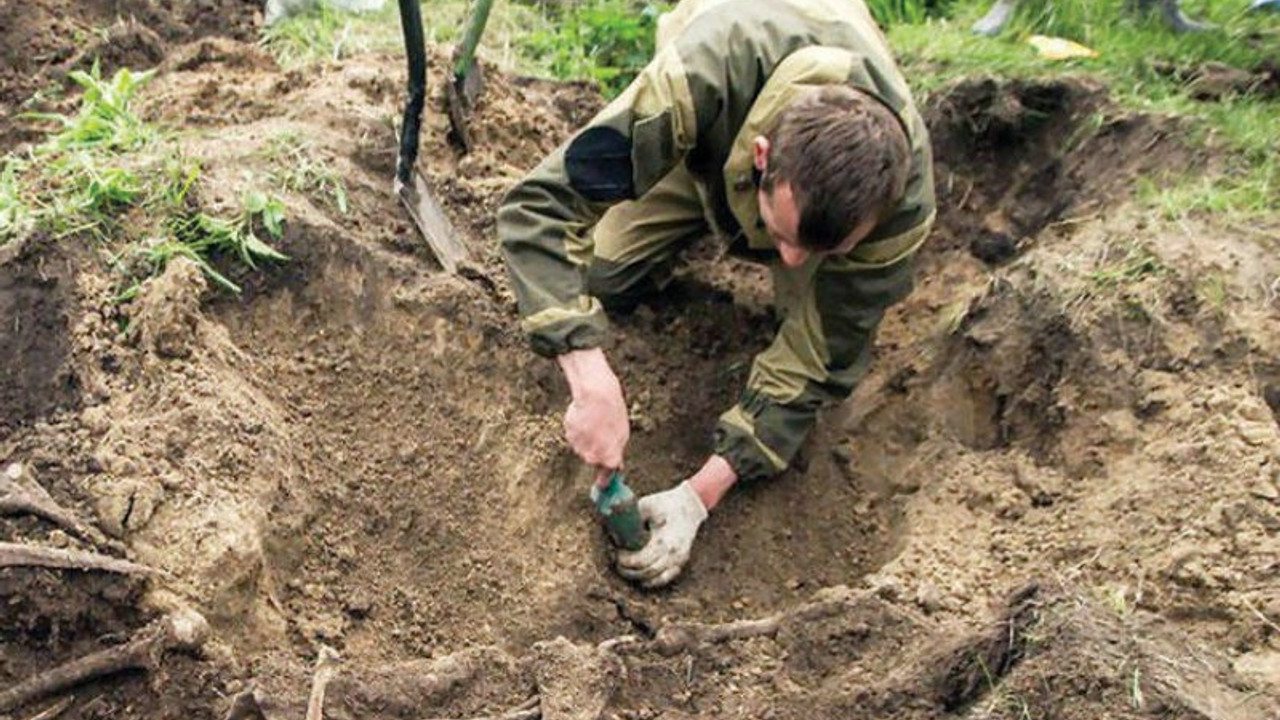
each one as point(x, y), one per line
point(299, 168)
point(1140, 61)
point(605, 41)
point(106, 121)
point(104, 174)
point(1132, 263)
point(323, 34)
point(16, 216)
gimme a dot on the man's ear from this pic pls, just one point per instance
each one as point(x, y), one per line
point(760, 152)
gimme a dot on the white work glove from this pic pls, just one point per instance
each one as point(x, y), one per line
point(674, 517)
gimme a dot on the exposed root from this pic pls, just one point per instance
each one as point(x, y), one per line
point(20, 555)
point(20, 494)
point(528, 710)
point(55, 709)
point(971, 668)
point(675, 638)
point(184, 630)
point(326, 669)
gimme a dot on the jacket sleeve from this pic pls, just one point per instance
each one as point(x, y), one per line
point(545, 221)
point(823, 347)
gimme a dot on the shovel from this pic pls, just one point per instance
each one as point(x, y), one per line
point(410, 185)
point(468, 80)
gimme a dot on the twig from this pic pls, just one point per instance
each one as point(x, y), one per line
point(20, 555)
point(326, 669)
point(55, 709)
point(675, 638)
point(180, 630)
point(1261, 617)
point(20, 494)
point(528, 710)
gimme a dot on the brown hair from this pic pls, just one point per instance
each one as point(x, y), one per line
point(846, 156)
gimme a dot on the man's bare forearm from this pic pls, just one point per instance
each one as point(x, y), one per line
point(713, 481)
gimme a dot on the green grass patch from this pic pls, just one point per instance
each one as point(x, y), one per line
point(604, 41)
point(325, 34)
point(298, 167)
point(17, 217)
point(105, 175)
point(1129, 264)
point(607, 41)
point(106, 121)
point(1144, 65)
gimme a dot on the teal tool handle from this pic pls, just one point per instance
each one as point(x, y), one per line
point(619, 510)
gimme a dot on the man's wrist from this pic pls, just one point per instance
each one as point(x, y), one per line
point(713, 481)
point(587, 371)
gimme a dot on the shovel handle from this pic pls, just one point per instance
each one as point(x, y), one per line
point(416, 51)
point(466, 52)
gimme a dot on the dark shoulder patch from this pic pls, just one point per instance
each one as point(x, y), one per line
point(598, 163)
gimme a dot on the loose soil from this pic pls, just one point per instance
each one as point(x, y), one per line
point(1056, 494)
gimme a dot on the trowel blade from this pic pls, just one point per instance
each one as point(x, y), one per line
point(434, 225)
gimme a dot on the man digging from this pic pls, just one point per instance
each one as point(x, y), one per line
point(785, 128)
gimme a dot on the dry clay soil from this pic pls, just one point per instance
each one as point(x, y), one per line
point(1055, 495)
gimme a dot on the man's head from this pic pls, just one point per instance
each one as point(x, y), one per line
point(835, 165)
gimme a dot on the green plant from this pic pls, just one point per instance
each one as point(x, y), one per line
point(897, 12)
point(607, 42)
point(1134, 263)
point(16, 216)
point(105, 122)
point(323, 33)
point(202, 237)
point(300, 169)
point(1213, 291)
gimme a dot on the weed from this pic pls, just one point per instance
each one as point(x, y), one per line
point(105, 121)
point(1135, 262)
point(16, 216)
point(1136, 699)
point(102, 162)
point(300, 169)
point(208, 236)
point(1211, 289)
point(608, 41)
point(896, 12)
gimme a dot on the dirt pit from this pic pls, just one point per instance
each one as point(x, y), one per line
point(1055, 495)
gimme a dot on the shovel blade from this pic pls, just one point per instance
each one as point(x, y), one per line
point(434, 225)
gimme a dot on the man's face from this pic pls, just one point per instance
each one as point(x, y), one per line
point(782, 217)
point(782, 220)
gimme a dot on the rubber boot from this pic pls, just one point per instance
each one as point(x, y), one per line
point(1173, 16)
point(996, 18)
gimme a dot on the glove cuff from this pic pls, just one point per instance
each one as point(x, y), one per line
point(692, 503)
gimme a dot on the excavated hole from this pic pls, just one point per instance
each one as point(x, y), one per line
point(440, 507)
point(1015, 159)
point(436, 507)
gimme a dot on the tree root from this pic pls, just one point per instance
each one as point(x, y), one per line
point(675, 638)
point(528, 710)
point(20, 494)
point(20, 555)
point(326, 669)
point(181, 630)
point(55, 709)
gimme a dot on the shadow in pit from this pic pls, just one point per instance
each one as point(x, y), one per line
point(37, 280)
point(1013, 157)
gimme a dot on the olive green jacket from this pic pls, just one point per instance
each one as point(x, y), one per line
point(728, 69)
